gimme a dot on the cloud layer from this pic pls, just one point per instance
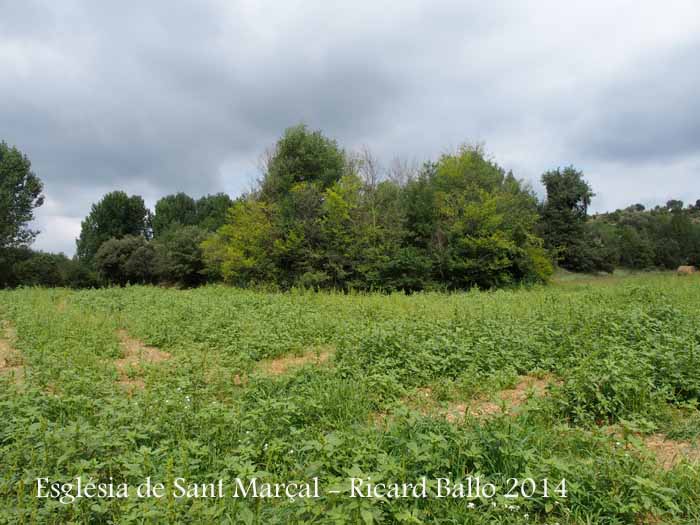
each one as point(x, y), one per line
point(158, 97)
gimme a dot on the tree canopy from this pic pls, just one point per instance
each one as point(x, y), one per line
point(563, 217)
point(179, 209)
point(207, 212)
point(320, 217)
point(20, 195)
point(211, 211)
point(462, 221)
point(302, 158)
point(128, 259)
point(115, 216)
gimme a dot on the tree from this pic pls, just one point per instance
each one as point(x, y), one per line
point(674, 205)
point(484, 224)
point(662, 237)
point(130, 259)
point(243, 251)
point(11, 258)
point(211, 211)
point(44, 269)
point(564, 214)
point(20, 194)
point(302, 166)
point(180, 259)
point(341, 235)
point(321, 220)
point(115, 216)
point(636, 249)
point(174, 210)
point(302, 157)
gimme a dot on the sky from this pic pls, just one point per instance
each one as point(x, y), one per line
point(158, 97)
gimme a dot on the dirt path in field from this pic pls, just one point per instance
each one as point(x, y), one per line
point(281, 365)
point(134, 354)
point(11, 362)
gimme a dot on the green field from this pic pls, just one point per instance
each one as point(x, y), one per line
point(594, 381)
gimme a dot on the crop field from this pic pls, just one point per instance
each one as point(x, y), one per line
point(594, 382)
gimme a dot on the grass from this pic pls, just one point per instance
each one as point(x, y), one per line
point(593, 380)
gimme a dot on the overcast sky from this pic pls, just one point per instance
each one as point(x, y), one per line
point(161, 96)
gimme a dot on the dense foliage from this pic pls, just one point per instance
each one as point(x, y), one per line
point(315, 221)
point(323, 218)
point(174, 211)
point(563, 222)
point(663, 237)
point(115, 216)
point(130, 259)
point(625, 356)
point(20, 194)
point(22, 266)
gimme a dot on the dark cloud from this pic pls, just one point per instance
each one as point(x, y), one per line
point(651, 112)
point(157, 97)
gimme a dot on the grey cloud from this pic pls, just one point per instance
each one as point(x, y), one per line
point(157, 97)
point(649, 113)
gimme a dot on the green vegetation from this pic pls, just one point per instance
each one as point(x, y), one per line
point(323, 218)
point(115, 216)
point(215, 401)
point(663, 237)
point(175, 211)
point(20, 194)
point(315, 221)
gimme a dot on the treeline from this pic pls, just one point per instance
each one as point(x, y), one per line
point(323, 218)
point(122, 242)
point(664, 237)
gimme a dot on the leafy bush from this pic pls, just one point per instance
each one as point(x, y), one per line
point(130, 259)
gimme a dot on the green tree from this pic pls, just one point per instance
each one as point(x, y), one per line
point(43, 269)
point(302, 156)
point(317, 222)
point(303, 165)
point(174, 210)
point(243, 250)
point(564, 214)
point(180, 258)
point(674, 205)
point(130, 259)
point(10, 260)
point(484, 225)
point(212, 210)
point(20, 194)
point(115, 216)
point(636, 249)
point(341, 235)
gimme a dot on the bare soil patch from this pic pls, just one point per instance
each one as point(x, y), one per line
point(281, 365)
point(11, 361)
point(666, 451)
point(506, 400)
point(61, 305)
point(219, 375)
point(134, 354)
point(669, 452)
point(649, 519)
point(424, 400)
